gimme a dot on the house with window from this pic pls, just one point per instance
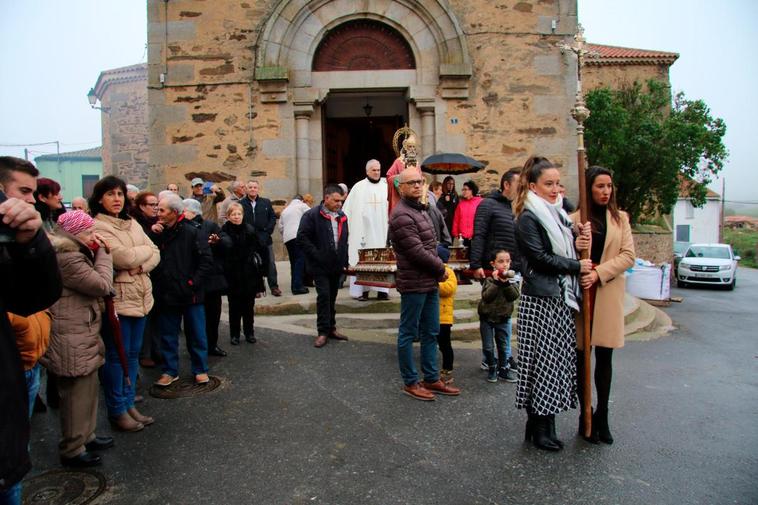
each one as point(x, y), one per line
point(697, 225)
point(76, 171)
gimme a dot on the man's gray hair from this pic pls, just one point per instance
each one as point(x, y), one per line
point(371, 162)
point(235, 184)
point(174, 202)
point(132, 187)
point(193, 206)
point(163, 194)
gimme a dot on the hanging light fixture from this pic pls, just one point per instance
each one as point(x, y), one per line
point(368, 108)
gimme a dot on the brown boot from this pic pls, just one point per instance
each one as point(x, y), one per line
point(135, 414)
point(125, 422)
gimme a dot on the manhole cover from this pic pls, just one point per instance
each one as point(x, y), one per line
point(184, 388)
point(63, 487)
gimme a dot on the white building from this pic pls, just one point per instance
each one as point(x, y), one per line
point(697, 225)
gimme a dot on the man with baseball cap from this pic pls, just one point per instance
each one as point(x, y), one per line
point(207, 201)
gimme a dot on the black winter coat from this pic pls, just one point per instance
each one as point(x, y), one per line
point(419, 269)
point(316, 239)
point(29, 282)
point(244, 275)
point(216, 280)
point(494, 228)
point(186, 263)
point(540, 267)
point(263, 220)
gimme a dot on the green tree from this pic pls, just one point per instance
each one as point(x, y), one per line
point(650, 143)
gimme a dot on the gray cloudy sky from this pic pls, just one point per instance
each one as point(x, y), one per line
point(52, 52)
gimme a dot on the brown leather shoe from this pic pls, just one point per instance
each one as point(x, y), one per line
point(418, 392)
point(276, 292)
point(320, 341)
point(125, 422)
point(137, 416)
point(442, 388)
point(337, 336)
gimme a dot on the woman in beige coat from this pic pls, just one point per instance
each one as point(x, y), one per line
point(134, 256)
point(612, 253)
point(76, 350)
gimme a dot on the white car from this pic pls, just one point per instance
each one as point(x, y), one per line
point(713, 264)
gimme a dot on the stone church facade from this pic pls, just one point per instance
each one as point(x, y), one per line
point(298, 93)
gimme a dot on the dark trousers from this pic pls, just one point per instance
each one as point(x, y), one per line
point(326, 296)
point(273, 282)
point(212, 317)
point(297, 265)
point(443, 342)
point(151, 338)
point(241, 307)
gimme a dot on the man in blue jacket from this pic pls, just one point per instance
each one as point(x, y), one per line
point(322, 236)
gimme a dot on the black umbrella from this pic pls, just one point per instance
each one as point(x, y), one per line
point(450, 163)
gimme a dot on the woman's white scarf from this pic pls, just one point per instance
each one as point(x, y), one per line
point(556, 222)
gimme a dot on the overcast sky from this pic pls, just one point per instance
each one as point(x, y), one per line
point(52, 52)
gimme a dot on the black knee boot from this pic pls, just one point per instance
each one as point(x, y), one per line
point(600, 426)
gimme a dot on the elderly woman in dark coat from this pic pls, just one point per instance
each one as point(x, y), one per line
point(244, 264)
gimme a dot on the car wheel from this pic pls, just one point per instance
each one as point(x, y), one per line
point(730, 287)
point(681, 284)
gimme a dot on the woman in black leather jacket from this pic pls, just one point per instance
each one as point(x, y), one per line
point(550, 296)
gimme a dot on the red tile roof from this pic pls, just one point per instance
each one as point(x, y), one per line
point(613, 55)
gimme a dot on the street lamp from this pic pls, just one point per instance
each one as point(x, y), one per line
point(92, 99)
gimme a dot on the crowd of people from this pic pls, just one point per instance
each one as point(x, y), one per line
point(121, 271)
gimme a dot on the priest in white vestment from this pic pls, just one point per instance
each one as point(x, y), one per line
point(366, 211)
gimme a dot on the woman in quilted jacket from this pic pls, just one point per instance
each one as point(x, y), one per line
point(76, 350)
point(134, 256)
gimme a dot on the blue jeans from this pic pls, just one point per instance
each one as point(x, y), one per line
point(419, 316)
point(194, 327)
point(502, 335)
point(119, 396)
point(12, 495)
point(32, 385)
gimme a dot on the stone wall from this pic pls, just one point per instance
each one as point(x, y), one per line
point(654, 246)
point(125, 126)
point(617, 76)
point(210, 117)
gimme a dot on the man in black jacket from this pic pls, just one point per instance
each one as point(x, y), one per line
point(30, 282)
point(322, 236)
point(260, 215)
point(493, 226)
point(186, 263)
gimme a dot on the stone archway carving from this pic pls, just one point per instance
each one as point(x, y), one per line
point(363, 44)
point(289, 38)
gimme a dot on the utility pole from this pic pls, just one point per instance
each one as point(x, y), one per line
point(723, 216)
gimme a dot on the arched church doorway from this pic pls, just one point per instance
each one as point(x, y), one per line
point(358, 124)
point(358, 127)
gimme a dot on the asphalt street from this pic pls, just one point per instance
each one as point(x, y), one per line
point(294, 425)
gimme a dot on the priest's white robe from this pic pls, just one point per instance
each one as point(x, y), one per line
point(366, 211)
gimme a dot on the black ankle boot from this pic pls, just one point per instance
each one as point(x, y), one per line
point(551, 431)
point(529, 432)
point(541, 434)
point(600, 426)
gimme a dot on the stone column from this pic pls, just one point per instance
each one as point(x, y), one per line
point(428, 133)
point(302, 121)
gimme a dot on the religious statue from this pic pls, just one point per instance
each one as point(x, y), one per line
point(407, 156)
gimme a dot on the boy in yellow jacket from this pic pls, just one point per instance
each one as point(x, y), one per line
point(447, 289)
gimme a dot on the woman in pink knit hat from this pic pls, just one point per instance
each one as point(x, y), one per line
point(76, 349)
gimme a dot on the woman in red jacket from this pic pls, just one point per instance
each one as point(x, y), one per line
point(463, 222)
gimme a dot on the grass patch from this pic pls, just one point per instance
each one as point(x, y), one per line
point(744, 243)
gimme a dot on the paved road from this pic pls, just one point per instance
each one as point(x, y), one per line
point(296, 425)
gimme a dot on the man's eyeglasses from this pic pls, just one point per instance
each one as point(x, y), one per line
point(150, 204)
point(419, 182)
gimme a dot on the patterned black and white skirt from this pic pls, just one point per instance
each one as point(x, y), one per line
point(547, 355)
